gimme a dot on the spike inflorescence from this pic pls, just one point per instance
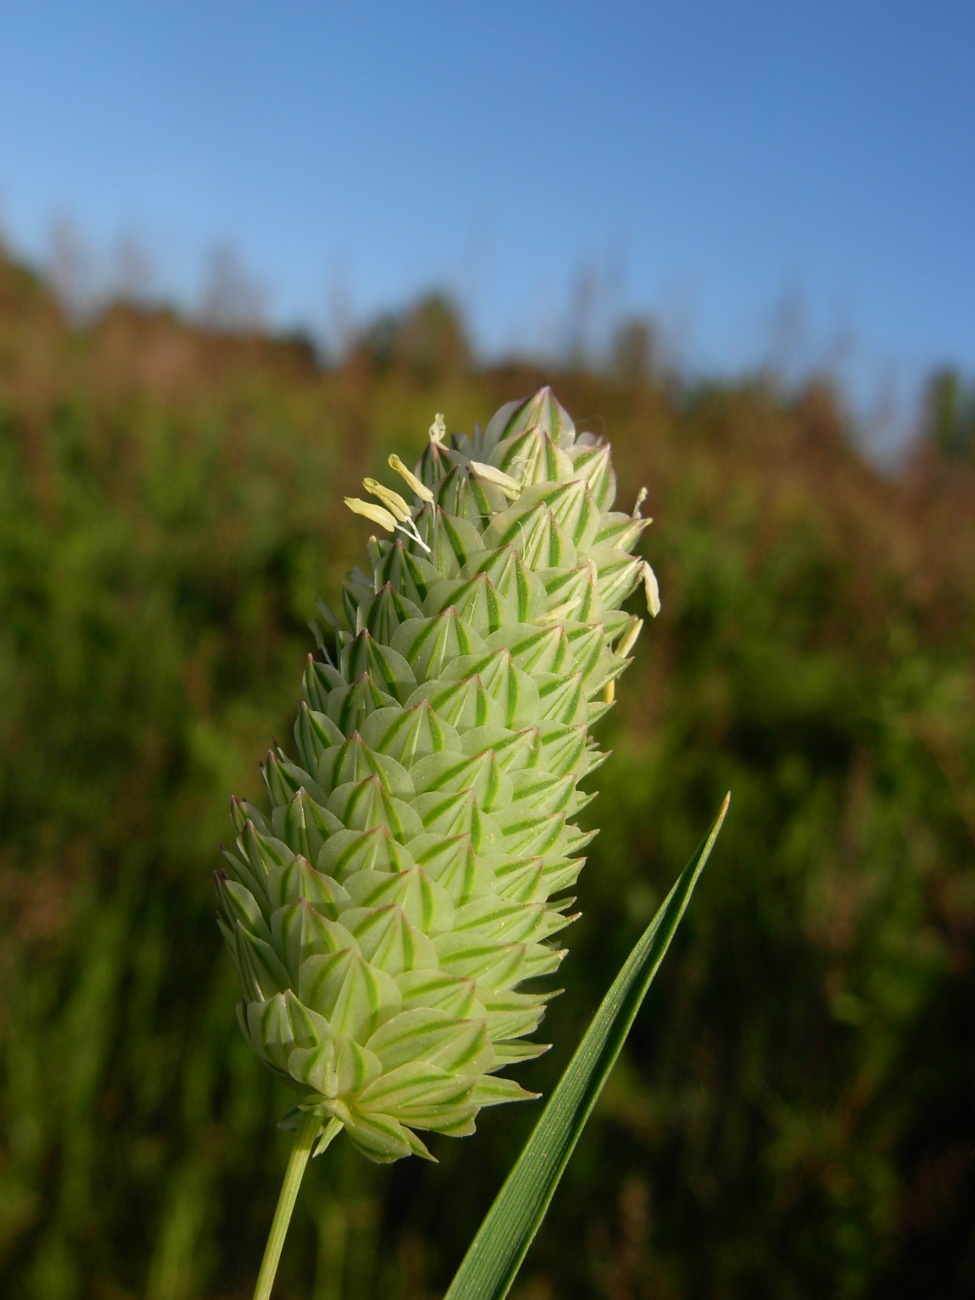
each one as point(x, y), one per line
point(411, 874)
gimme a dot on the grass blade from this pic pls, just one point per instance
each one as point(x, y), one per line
point(495, 1255)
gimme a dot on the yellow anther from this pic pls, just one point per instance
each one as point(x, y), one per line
point(651, 589)
point(393, 502)
point(419, 488)
point(369, 511)
point(628, 640)
point(508, 485)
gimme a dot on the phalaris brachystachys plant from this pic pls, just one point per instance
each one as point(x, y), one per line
point(411, 873)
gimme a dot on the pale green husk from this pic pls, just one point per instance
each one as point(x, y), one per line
point(383, 917)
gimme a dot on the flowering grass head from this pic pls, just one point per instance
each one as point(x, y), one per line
point(410, 877)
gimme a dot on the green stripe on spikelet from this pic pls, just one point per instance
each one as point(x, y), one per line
point(383, 916)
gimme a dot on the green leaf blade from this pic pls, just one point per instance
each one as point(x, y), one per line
point(492, 1262)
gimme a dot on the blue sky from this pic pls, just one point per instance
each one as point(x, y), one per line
point(767, 178)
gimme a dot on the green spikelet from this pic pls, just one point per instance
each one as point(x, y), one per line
point(384, 915)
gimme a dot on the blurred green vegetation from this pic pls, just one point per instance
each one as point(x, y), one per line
point(794, 1113)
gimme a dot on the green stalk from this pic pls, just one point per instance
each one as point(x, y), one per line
point(305, 1139)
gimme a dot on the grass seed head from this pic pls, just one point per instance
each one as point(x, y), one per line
point(407, 879)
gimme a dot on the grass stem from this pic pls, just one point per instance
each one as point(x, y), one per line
point(305, 1138)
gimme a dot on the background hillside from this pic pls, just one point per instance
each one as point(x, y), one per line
point(793, 1116)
